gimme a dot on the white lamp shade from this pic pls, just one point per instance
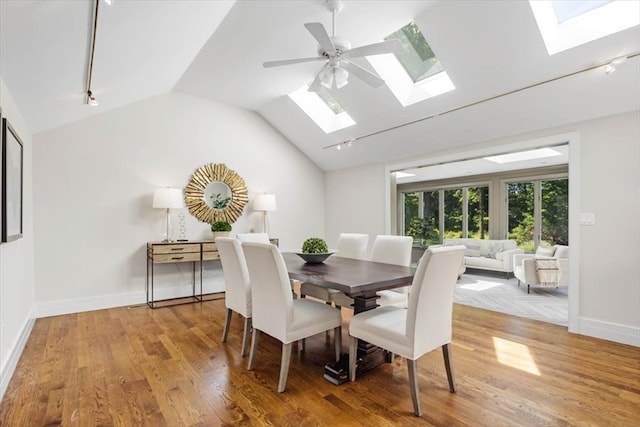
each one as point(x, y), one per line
point(168, 198)
point(265, 202)
point(340, 76)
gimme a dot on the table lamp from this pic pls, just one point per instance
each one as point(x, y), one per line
point(265, 203)
point(168, 198)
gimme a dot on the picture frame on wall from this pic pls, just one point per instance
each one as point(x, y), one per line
point(12, 178)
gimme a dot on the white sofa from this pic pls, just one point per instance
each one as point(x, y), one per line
point(484, 254)
point(554, 261)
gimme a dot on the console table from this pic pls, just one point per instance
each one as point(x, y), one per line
point(195, 251)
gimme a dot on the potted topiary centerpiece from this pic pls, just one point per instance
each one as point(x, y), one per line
point(220, 229)
point(315, 250)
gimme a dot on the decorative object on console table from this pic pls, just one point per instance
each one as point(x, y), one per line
point(182, 228)
point(168, 198)
point(12, 164)
point(265, 203)
point(220, 229)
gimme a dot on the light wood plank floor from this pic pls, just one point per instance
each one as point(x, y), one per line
point(167, 367)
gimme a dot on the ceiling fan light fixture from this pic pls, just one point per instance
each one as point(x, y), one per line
point(326, 77)
point(340, 76)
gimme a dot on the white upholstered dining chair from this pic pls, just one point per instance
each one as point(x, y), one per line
point(392, 250)
point(349, 245)
point(426, 323)
point(278, 314)
point(253, 237)
point(237, 288)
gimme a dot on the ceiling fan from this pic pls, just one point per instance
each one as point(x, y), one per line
point(338, 54)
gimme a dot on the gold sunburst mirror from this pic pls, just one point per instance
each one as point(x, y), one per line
point(216, 193)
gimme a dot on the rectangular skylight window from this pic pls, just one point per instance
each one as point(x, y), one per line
point(567, 24)
point(414, 74)
point(539, 153)
point(566, 10)
point(322, 108)
point(330, 100)
point(401, 174)
point(417, 58)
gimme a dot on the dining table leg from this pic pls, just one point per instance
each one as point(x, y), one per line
point(369, 355)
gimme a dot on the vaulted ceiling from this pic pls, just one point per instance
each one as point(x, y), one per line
point(506, 82)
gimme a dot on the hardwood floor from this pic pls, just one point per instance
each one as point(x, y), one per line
point(167, 367)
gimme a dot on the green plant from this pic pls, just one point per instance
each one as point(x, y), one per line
point(314, 245)
point(221, 226)
point(219, 202)
point(422, 231)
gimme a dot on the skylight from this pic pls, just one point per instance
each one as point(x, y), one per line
point(539, 153)
point(322, 108)
point(565, 10)
point(567, 24)
point(414, 74)
point(417, 58)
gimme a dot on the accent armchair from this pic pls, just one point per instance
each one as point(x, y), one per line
point(548, 267)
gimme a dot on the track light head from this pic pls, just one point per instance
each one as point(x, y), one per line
point(91, 100)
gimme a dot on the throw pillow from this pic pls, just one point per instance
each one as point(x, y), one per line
point(561, 251)
point(542, 251)
point(489, 248)
point(494, 248)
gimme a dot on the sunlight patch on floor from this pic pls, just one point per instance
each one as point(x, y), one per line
point(515, 355)
point(480, 286)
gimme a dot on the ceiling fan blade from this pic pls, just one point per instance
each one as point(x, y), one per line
point(319, 33)
point(387, 46)
point(315, 86)
point(270, 64)
point(362, 73)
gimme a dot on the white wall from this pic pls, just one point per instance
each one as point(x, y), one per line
point(16, 259)
point(93, 186)
point(610, 250)
point(605, 155)
point(355, 202)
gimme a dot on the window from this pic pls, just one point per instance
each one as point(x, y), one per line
point(446, 212)
point(538, 213)
point(414, 74)
point(322, 108)
point(567, 24)
point(417, 58)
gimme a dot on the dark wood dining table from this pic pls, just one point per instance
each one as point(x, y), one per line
point(359, 279)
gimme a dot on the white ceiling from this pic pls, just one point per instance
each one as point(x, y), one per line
point(215, 50)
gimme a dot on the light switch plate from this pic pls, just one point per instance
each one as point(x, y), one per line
point(587, 219)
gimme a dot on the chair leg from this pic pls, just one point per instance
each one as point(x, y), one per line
point(245, 336)
point(338, 333)
point(412, 367)
point(254, 346)
point(353, 355)
point(528, 288)
point(284, 366)
point(227, 322)
point(446, 353)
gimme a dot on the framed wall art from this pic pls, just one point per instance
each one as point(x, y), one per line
point(12, 165)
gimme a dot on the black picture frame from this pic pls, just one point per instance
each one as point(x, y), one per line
point(12, 183)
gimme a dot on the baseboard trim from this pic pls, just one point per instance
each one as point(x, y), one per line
point(79, 305)
point(610, 331)
point(14, 355)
